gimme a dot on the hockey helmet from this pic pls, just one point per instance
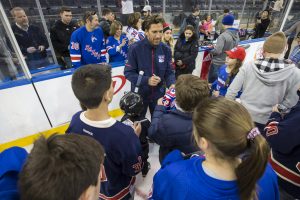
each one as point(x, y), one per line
point(132, 104)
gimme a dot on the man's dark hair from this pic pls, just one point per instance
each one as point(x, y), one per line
point(88, 15)
point(154, 19)
point(106, 11)
point(195, 9)
point(90, 82)
point(64, 9)
point(61, 167)
point(226, 10)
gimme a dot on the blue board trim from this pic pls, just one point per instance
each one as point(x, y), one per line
point(14, 83)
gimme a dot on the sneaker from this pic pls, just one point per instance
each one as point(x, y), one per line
point(146, 169)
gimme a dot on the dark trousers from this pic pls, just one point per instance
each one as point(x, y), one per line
point(151, 104)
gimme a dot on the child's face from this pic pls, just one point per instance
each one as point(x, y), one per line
point(188, 34)
point(230, 61)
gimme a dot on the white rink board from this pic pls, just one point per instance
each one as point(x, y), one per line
point(21, 113)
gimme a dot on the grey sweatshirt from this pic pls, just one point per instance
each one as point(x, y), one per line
point(226, 41)
point(262, 90)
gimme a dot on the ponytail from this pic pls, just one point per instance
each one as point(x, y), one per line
point(252, 167)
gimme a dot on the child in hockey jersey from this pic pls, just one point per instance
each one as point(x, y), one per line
point(172, 129)
point(132, 105)
point(117, 43)
point(92, 85)
point(282, 134)
point(134, 30)
point(235, 159)
point(227, 72)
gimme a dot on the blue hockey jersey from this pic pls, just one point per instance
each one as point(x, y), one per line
point(122, 153)
point(220, 84)
point(115, 53)
point(180, 179)
point(87, 47)
point(282, 134)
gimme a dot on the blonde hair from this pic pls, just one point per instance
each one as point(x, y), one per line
point(226, 125)
point(114, 27)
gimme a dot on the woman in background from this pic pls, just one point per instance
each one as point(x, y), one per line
point(186, 51)
point(117, 43)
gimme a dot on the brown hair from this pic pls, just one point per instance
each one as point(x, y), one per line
point(61, 167)
point(226, 124)
point(64, 9)
point(190, 90)
point(154, 19)
point(114, 27)
point(133, 19)
point(234, 71)
point(90, 82)
point(88, 15)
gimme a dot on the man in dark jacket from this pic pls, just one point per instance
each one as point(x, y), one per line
point(282, 134)
point(60, 36)
point(173, 129)
point(153, 58)
point(31, 39)
point(106, 20)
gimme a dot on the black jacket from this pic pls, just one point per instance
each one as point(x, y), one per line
point(186, 51)
point(34, 37)
point(260, 28)
point(172, 130)
point(60, 35)
point(105, 26)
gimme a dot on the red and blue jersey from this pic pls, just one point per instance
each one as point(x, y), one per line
point(87, 47)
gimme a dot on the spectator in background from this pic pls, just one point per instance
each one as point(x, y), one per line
point(186, 51)
point(295, 29)
point(11, 163)
point(106, 20)
point(168, 37)
point(134, 31)
point(282, 133)
point(226, 41)
point(206, 27)
point(146, 11)
point(295, 55)
point(60, 35)
point(87, 45)
point(194, 20)
point(262, 24)
point(219, 26)
point(31, 39)
point(126, 10)
point(117, 43)
point(63, 167)
point(267, 81)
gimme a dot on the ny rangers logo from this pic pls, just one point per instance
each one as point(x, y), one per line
point(93, 38)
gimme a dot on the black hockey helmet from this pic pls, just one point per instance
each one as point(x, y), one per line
point(132, 104)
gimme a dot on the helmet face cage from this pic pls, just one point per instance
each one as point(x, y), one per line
point(132, 104)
